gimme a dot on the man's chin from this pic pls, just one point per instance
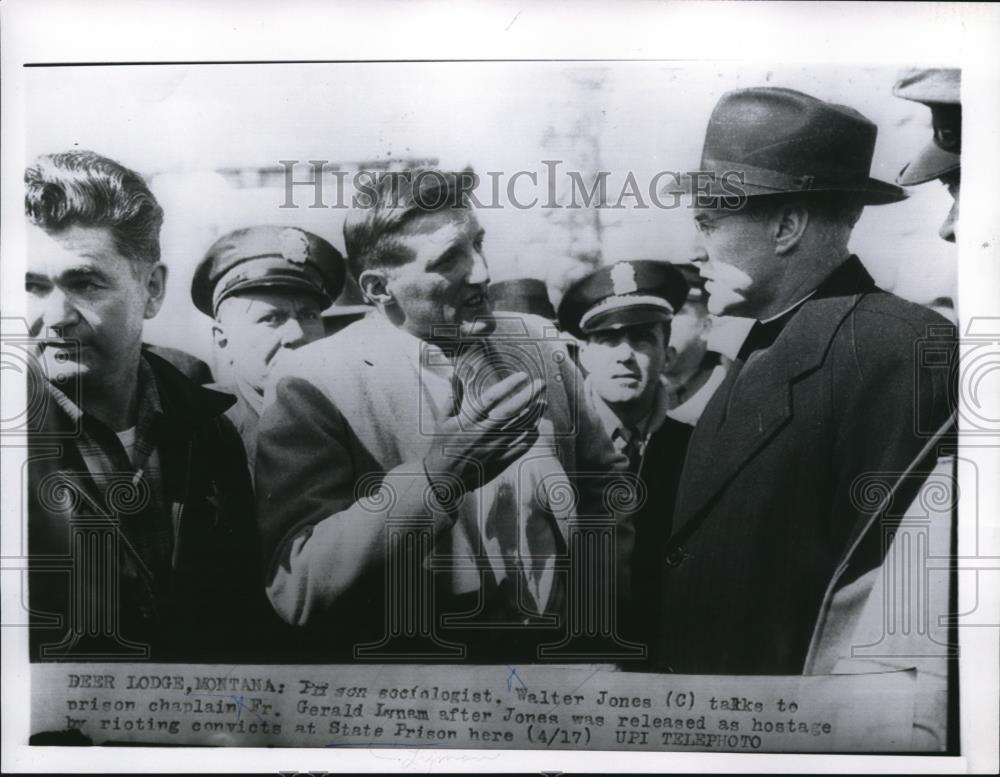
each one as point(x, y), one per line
point(616, 394)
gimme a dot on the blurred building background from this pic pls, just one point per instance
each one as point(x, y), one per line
point(210, 139)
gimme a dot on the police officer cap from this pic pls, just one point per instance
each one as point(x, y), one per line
point(267, 257)
point(522, 295)
point(930, 85)
point(940, 90)
point(622, 294)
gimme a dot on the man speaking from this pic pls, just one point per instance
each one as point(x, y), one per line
point(430, 411)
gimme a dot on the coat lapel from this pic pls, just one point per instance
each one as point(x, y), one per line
point(390, 407)
point(756, 402)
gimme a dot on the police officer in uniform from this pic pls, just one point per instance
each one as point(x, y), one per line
point(265, 287)
point(939, 89)
point(622, 315)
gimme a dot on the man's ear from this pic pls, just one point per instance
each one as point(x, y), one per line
point(156, 288)
point(374, 285)
point(790, 225)
point(671, 357)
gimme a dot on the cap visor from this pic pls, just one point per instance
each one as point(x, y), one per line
point(617, 319)
point(931, 163)
point(278, 282)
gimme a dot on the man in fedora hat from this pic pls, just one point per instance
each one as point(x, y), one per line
point(622, 315)
point(265, 287)
point(825, 389)
point(940, 160)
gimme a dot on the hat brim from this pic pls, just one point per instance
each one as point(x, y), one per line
point(277, 282)
point(930, 164)
point(871, 192)
point(623, 317)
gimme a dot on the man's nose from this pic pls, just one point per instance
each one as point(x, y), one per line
point(292, 333)
point(623, 351)
point(948, 228)
point(58, 310)
point(478, 273)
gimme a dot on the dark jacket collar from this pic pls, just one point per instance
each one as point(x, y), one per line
point(848, 279)
point(184, 402)
point(730, 440)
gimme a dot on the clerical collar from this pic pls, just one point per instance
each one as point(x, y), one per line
point(787, 310)
point(763, 333)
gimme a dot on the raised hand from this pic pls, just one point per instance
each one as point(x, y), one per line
point(488, 433)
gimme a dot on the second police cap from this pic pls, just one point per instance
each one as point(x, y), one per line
point(622, 294)
point(267, 257)
point(940, 90)
point(696, 284)
point(522, 295)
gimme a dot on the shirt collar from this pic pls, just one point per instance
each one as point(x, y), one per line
point(253, 399)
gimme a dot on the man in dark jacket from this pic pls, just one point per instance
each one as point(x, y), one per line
point(827, 389)
point(141, 524)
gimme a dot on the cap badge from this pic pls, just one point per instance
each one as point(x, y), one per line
point(623, 279)
point(294, 246)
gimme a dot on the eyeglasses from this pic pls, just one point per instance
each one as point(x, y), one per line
point(704, 225)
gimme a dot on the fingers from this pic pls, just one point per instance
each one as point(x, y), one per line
point(503, 390)
point(518, 406)
point(502, 456)
point(518, 447)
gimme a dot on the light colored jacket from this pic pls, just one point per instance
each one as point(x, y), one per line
point(346, 424)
